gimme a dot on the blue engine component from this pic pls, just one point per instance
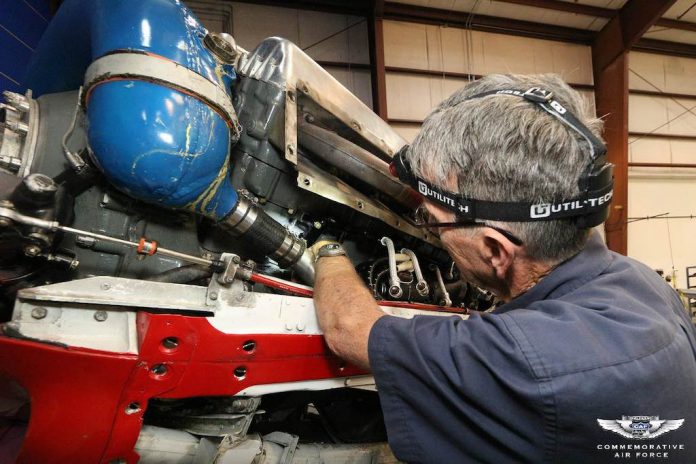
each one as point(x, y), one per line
point(152, 141)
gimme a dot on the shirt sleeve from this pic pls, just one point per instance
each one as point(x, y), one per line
point(455, 390)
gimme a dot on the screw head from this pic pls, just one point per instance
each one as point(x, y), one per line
point(39, 312)
point(235, 259)
point(101, 316)
point(159, 369)
point(170, 343)
point(32, 250)
point(213, 296)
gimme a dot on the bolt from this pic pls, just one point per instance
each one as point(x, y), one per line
point(235, 259)
point(32, 250)
point(240, 372)
point(101, 316)
point(159, 369)
point(133, 407)
point(249, 345)
point(170, 343)
point(105, 286)
point(213, 296)
point(39, 312)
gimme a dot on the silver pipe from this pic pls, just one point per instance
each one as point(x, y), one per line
point(74, 159)
point(441, 284)
point(394, 288)
point(421, 284)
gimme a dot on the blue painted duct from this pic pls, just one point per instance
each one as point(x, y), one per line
point(154, 141)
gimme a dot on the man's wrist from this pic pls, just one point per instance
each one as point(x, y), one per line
point(330, 250)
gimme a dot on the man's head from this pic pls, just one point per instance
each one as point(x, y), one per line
point(504, 148)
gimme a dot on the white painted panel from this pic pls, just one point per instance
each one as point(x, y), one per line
point(646, 71)
point(682, 9)
point(407, 131)
point(682, 116)
point(647, 114)
point(405, 45)
point(660, 72)
point(358, 81)
point(662, 243)
point(408, 97)
point(253, 23)
point(649, 150)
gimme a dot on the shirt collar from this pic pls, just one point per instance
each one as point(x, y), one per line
point(592, 260)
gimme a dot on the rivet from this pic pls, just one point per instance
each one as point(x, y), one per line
point(101, 316)
point(39, 312)
point(213, 295)
point(170, 343)
point(159, 369)
point(240, 372)
point(133, 408)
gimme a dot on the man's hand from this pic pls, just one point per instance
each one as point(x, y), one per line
point(345, 308)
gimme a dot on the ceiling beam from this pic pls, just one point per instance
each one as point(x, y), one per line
point(436, 16)
point(663, 47)
point(596, 11)
point(567, 7)
point(625, 30)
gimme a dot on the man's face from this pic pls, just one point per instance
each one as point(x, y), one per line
point(464, 247)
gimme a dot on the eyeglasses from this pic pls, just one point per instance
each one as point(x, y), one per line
point(423, 219)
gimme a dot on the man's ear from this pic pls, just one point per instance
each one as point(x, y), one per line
point(498, 251)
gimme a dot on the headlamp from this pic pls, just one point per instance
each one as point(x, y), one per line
point(596, 182)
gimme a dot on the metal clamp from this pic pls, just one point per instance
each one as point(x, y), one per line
point(138, 66)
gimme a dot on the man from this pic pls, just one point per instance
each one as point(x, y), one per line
point(585, 336)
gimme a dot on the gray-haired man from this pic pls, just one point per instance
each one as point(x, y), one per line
point(590, 350)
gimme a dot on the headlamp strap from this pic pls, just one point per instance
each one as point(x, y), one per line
point(544, 99)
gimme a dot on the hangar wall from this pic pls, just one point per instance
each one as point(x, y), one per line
point(670, 121)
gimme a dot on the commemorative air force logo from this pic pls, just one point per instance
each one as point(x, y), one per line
point(640, 427)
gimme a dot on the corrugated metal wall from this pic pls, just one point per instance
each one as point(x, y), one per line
point(22, 22)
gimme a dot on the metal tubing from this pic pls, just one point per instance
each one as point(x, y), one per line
point(394, 283)
point(441, 284)
point(421, 284)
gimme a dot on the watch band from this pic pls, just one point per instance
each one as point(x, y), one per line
point(330, 250)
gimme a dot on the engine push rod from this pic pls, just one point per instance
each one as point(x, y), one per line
point(143, 247)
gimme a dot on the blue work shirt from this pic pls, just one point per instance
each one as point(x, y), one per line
point(601, 337)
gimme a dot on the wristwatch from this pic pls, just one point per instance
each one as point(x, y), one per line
point(330, 250)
